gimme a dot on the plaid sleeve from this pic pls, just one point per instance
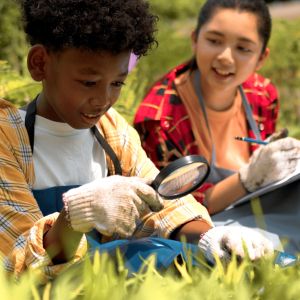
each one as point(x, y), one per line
point(175, 213)
point(32, 255)
point(264, 100)
point(22, 225)
point(126, 143)
point(163, 124)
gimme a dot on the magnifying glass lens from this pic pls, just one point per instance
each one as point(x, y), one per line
point(183, 179)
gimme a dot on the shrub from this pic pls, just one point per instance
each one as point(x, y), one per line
point(176, 9)
point(15, 88)
point(283, 67)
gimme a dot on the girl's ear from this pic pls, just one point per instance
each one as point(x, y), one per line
point(36, 60)
point(194, 41)
point(262, 59)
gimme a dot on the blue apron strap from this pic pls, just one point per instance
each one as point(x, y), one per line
point(101, 140)
point(249, 115)
point(30, 121)
point(202, 105)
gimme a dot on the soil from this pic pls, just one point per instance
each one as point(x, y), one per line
point(286, 10)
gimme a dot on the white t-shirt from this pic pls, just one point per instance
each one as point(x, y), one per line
point(65, 156)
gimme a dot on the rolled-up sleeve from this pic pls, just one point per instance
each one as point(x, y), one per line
point(22, 224)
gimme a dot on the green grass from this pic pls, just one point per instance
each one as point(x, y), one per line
point(102, 279)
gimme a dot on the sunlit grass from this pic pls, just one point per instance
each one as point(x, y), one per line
point(101, 278)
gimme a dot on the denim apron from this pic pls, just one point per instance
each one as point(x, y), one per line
point(134, 251)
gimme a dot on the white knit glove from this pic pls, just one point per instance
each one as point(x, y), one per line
point(112, 205)
point(222, 241)
point(271, 163)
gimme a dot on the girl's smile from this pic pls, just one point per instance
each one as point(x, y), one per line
point(222, 74)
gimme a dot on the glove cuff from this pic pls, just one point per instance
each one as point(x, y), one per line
point(207, 246)
point(243, 174)
point(79, 211)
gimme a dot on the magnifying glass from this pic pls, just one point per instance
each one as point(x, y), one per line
point(181, 177)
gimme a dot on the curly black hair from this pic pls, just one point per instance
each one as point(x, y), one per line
point(96, 25)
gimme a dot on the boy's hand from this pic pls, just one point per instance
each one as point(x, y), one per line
point(112, 205)
point(271, 163)
point(223, 241)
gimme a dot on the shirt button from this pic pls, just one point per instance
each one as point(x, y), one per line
point(261, 126)
point(166, 124)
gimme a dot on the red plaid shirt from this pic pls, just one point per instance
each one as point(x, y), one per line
point(164, 125)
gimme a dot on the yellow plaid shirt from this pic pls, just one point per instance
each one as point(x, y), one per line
point(22, 224)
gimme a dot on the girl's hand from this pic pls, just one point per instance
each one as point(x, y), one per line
point(271, 163)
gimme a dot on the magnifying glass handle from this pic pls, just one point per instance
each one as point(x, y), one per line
point(154, 185)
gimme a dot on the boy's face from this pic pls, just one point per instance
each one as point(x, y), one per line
point(80, 86)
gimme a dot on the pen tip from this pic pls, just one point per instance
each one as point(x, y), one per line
point(238, 138)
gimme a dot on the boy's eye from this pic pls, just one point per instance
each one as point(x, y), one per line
point(118, 83)
point(88, 83)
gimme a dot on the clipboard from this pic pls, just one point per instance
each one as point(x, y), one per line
point(269, 188)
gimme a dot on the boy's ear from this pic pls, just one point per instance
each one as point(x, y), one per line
point(36, 60)
point(262, 59)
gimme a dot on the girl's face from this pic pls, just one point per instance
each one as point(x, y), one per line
point(228, 49)
point(80, 86)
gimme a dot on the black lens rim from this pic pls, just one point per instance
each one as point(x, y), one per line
point(175, 165)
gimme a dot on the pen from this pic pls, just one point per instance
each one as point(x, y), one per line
point(250, 140)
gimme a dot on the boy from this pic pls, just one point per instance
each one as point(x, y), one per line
point(80, 52)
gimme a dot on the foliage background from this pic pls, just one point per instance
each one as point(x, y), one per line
point(177, 19)
point(99, 279)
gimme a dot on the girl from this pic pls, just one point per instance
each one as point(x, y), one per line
point(200, 106)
